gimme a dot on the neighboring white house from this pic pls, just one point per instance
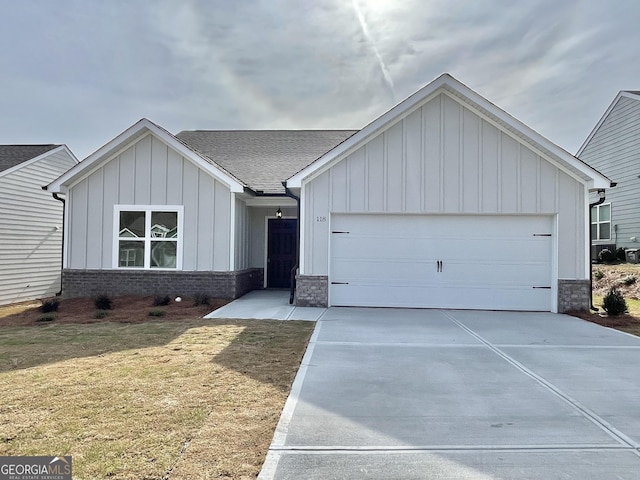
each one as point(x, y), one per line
point(613, 148)
point(445, 201)
point(30, 221)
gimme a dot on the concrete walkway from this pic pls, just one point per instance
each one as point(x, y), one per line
point(266, 304)
point(415, 394)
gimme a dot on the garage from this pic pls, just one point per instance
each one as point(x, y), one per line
point(446, 201)
point(498, 262)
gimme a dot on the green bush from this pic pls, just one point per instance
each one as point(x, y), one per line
point(620, 254)
point(598, 274)
point(157, 313)
point(103, 302)
point(629, 280)
point(161, 300)
point(201, 299)
point(46, 317)
point(614, 303)
point(50, 306)
point(606, 256)
point(100, 314)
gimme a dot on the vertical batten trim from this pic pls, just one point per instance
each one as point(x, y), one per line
point(499, 172)
point(385, 172)
point(441, 155)
point(460, 158)
point(480, 133)
point(347, 174)
point(556, 197)
point(422, 160)
point(366, 182)
point(538, 184)
point(403, 166)
point(519, 179)
point(102, 223)
point(232, 230)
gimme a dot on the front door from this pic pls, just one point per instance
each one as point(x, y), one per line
point(281, 251)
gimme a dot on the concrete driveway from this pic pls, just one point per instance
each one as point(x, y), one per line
point(416, 394)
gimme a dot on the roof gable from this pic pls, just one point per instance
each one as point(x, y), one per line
point(467, 97)
point(263, 159)
point(632, 94)
point(132, 134)
point(13, 155)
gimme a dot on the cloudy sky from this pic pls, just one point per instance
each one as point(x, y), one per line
point(81, 71)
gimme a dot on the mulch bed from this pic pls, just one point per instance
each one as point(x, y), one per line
point(607, 321)
point(126, 309)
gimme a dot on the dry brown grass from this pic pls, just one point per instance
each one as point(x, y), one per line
point(175, 399)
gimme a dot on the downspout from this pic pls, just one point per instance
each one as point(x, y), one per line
point(601, 194)
point(64, 212)
point(290, 194)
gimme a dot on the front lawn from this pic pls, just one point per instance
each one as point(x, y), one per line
point(171, 399)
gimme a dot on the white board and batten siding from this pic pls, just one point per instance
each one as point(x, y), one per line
point(149, 172)
point(31, 229)
point(444, 158)
point(614, 149)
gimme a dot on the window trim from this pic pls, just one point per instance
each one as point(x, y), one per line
point(148, 209)
point(596, 221)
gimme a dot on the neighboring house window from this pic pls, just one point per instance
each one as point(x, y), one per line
point(148, 236)
point(601, 222)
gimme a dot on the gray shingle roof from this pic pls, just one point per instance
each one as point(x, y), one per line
point(12, 155)
point(263, 159)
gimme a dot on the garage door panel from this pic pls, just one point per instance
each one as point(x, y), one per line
point(488, 262)
point(434, 296)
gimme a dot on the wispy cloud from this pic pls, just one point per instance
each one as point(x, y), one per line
point(79, 72)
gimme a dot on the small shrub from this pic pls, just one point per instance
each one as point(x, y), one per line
point(100, 314)
point(46, 317)
point(157, 313)
point(614, 303)
point(598, 274)
point(161, 300)
point(606, 256)
point(629, 280)
point(620, 254)
point(50, 306)
point(201, 299)
point(103, 302)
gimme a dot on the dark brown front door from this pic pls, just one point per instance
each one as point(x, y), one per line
point(281, 252)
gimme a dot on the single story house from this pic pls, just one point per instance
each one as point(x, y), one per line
point(613, 147)
point(445, 201)
point(30, 221)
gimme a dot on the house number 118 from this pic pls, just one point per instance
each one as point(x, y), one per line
point(321, 218)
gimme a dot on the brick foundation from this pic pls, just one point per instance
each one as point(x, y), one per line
point(88, 283)
point(573, 295)
point(312, 290)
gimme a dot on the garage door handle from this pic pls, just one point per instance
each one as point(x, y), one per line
point(546, 288)
point(439, 265)
point(339, 283)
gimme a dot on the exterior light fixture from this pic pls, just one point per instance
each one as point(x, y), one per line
point(278, 213)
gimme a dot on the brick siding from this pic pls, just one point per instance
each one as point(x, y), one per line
point(312, 290)
point(88, 283)
point(573, 295)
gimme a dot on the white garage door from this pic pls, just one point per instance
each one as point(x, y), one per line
point(470, 262)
